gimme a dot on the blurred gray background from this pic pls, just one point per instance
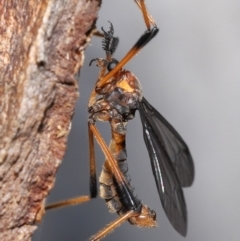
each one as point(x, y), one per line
point(191, 73)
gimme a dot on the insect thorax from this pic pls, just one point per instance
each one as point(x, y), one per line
point(118, 99)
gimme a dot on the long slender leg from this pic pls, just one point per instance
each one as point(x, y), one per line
point(92, 164)
point(72, 201)
point(122, 187)
point(147, 17)
point(143, 40)
point(104, 147)
point(143, 8)
point(93, 180)
point(111, 226)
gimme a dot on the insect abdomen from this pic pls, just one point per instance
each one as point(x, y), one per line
point(108, 189)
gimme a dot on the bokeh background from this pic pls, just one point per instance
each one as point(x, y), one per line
point(191, 73)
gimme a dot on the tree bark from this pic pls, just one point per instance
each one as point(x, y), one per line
point(41, 50)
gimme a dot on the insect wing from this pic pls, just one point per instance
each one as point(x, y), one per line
point(172, 143)
point(164, 147)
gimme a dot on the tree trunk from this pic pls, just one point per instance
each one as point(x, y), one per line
point(41, 50)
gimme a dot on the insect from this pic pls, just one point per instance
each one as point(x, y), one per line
point(116, 97)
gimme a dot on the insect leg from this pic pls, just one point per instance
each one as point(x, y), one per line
point(72, 201)
point(122, 187)
point(93, 180)
point(111, 226)
point(142, 41)
point(147, 17)
point(113, 165)
point(92, 165)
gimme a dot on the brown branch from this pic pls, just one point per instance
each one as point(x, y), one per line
point(41, 49)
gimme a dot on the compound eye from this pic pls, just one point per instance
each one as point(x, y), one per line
point(112, 64)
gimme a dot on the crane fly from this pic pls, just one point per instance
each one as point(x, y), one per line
point(116, 97)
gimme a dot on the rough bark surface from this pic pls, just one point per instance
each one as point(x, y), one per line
point(41, 49)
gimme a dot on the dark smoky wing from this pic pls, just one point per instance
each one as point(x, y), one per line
point(168, 185)
point(169, 139)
